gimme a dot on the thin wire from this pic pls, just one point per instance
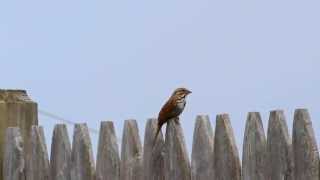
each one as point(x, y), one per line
point(59, 118)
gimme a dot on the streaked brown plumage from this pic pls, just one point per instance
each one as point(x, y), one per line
point(172, 108)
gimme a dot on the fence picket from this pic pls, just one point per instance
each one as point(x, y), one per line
point(305, 151)
point(279, 148)
point(226, 157)
point(13, 161)
point(60, 159)
point(37, 162)
point(202, 150)
point(108, 161)
point(82, 163)
point(254, 149)
point(177, 165)
point(131, 152)
point(153, 152)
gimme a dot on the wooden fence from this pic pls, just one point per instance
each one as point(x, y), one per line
point(214, 153)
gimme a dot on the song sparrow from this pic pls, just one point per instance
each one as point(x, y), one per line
point(172, 108)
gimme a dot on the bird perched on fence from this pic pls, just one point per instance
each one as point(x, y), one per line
point(172, 108)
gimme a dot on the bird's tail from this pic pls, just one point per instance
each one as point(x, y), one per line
point(156, 136)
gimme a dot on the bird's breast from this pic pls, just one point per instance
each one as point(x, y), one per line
point(181, 105)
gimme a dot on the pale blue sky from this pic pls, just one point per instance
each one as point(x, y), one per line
point(89, 61)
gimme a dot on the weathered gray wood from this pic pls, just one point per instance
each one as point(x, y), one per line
point(168, 160)
point(108, 161)
point(279, 148)
point(37, 163)
point(13, 162)
point(305, 151)
point(131, 152)
point(153, 153)
point(177, 165)
point(226, 157)
point(16, 109)
point(82, 163)
point(254, 149)
point(202, 150)
point(60, 159)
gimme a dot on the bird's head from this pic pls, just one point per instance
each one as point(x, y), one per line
point(181, 92)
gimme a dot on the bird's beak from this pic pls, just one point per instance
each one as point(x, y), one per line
point(189, 92)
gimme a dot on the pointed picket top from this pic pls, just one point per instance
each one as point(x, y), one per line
point(254, 149)
point(177, 165)
point(279, 148)
point(13, 159)
point(108, 161)
point(305, 151)
point(153, 152)
point(60, 162)
point(202, 149)
point(131, 152)
point(37, 163)
point(82, 163)
point(226, 157)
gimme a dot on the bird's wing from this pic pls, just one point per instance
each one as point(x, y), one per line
point(166, 112)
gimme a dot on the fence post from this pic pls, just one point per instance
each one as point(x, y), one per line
point(254, 149)
point(16, 109)
point(153, 153)
point(305, 151)
point(13, 161)
point(279, 148)
point(202, 150)
point(177, 166)
point(226, 158)
point(60, 161)
point(82, 163)
point(37, 162)
point(108, 161)
point(131, 152)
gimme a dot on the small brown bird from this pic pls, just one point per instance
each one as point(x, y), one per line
point(172, 108)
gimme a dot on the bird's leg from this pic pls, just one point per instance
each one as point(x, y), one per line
point(177, 120)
